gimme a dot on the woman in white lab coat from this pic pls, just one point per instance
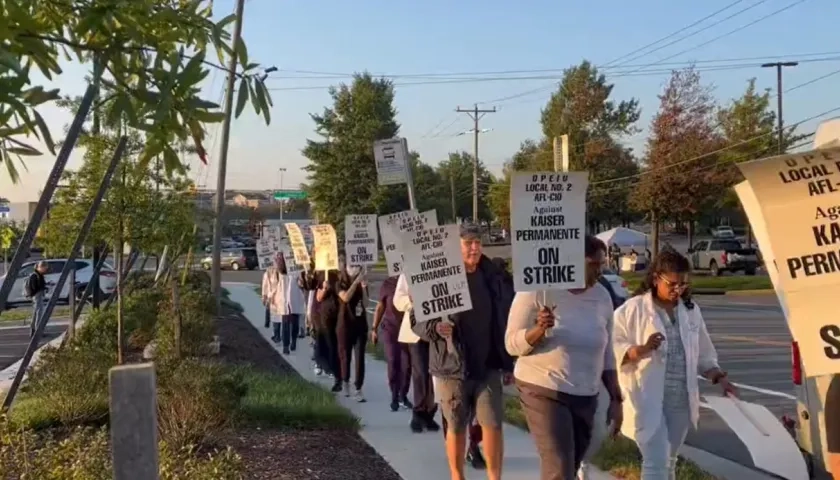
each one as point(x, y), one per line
point(286, 301)
point(662, 345)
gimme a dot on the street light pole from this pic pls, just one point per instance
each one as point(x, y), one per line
point(281, 171)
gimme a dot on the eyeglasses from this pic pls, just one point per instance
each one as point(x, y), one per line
point(676, 286)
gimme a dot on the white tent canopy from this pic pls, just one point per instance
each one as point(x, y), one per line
point(624, 237)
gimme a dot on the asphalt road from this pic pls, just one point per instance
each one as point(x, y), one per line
point(749, 333)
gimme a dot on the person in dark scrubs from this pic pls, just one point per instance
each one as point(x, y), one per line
point(832, 426)
point(397, 354)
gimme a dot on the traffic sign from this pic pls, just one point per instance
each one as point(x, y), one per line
point(391, 158)
point(289, 194)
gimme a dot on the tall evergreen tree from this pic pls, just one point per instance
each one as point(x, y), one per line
point(342, 168)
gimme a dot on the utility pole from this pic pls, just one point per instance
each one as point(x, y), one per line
point(216, 283)
point(476, 114)
point(779, 119)
point(778, 66)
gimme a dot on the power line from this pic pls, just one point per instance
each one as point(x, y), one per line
point(476, 114)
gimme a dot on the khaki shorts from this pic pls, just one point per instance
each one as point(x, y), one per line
point(463, 400)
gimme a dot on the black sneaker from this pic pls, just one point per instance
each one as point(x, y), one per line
point(429, 422)
point(395, 405)
point(405, 404)
point(285, 350)
point(336, 388)
point(475, 458)
point(417, 423)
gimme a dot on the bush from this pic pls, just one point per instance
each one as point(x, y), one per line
point(84, 453)
point(141, 309)
point(195, 400)
point(67, 386)
point(197, 327)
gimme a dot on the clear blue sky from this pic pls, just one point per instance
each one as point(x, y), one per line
point(437, 36)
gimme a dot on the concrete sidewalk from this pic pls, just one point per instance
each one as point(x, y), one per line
point(413, 456)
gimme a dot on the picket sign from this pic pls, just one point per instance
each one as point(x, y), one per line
point(326, 247)
point(360, 240)
point(298, 244)
point(548, 226)
point(393, 225)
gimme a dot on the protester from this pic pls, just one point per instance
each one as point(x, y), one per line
point(309, 280)
point(34, 289)
point(601, 421)
point(397, 354)
point(502, 265)
point(662, 344)
point(470, 378)
point(272, 295)
point(558, 374)
point(425, 408)
point(328, 309)
point(352, 327)
point(832, 425)
point(295, 307)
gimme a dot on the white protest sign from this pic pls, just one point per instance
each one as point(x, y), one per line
point(265, 253)
point(770, 445)
point(298, 244)
point(326, 247)
point(434, 269)
point(292, 268)
point(360, 239)
point(391, 158)
point(548, 226)
point(797, 196)
point(393, 226)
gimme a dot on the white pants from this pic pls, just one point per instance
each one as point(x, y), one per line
point(659, 454)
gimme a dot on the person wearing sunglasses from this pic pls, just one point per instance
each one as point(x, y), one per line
point(661, 345)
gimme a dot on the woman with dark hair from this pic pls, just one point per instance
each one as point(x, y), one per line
point(273, 294)
point(562, 339)
point(328, 308)
point(352, 328)
point(661, 344)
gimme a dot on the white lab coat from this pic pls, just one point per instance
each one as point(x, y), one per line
point(643, 383)
point(283, 294)
point(402, 302)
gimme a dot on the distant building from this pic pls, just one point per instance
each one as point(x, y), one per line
point(20, 212)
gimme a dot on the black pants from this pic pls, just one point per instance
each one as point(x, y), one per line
point(421, 380)
point(398, 358)
point(352, 340)
point(267, 317)
point(561, 425)
point(329, 349)
point(291, 324)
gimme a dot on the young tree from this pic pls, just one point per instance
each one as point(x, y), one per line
point(148, 59)
point(457, 174)
point(681, 177)
point(342, 168)
point(530, 156)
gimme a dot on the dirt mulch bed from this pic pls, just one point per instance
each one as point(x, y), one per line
point(292, 455)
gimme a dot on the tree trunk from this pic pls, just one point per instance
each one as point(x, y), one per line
point(690, 232)
point(654, 233)
point(118, 252)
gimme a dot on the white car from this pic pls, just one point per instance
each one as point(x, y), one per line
point(84, 272)
point(723, 232)
point(618, 284)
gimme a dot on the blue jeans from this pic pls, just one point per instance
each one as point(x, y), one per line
point(37, 312)
point(291, 324)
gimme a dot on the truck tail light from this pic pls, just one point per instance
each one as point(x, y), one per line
point(723, 258)
point(795, 363)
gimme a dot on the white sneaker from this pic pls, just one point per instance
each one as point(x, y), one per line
point(346, 389)
point(359, 397)
point(583, 472)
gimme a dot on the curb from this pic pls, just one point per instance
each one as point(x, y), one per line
point(751, 293)
point(721, 467)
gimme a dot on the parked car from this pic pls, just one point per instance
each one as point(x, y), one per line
point(618, 284)
point(718, 256)
point(724, 232)
point(84, 273)
point(234, 259)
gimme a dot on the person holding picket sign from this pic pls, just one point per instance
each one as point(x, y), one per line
point(559, 374)
point(662, 345)
point(352, 327)
point(328, 307)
